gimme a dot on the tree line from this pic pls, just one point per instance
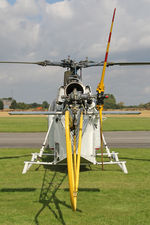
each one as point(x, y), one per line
point(109, 103)
point(34, 105)
point(25, 106)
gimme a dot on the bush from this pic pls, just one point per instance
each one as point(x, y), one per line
point(13, 105)
point(110, 103)
point(45, 105)
point(1, 105)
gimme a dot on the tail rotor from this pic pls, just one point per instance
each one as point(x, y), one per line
point(100, 89)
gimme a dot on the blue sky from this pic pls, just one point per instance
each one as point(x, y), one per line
point(11, 1)
point(49, 1)
point(53, 1)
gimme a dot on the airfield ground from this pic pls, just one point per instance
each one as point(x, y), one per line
point(39, 124)
point(108, 197)
point(144, 113)
point(41, 196)
point(6, 114)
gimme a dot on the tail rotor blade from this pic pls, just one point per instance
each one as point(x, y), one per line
point(100, 87)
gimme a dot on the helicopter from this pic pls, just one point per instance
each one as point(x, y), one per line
point(75, 122)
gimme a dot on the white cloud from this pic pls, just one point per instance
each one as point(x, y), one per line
point(36, 30)
point(147, 90)
point(3, 4)
point(25, 7)
point(61, 10)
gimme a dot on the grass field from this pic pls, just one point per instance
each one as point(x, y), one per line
point(23, 124)
point(39, 124)
point(41, 196)
point(107, 197)
point(127, 124)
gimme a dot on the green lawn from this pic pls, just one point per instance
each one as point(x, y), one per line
point(39, 124)
point(23, 124)
point(107, 197)
point(127, 124)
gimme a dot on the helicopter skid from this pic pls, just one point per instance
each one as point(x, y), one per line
point(55, 138)
point(113, 156)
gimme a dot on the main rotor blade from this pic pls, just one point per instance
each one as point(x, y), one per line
point(127, 63)
point(80, 64)
point(41, 63)
point(117, 64)
point(18, 62)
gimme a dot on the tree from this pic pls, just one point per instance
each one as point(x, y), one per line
point(13, 105)
point(110, 103)
point(147, 105)
point(34, 105)
point(120, 105)
point(22, 105)
point(45, 105)
point(1, 105)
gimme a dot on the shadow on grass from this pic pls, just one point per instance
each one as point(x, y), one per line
point(138, 159)
point(48, 197)
point(17, 189)
point(15, 157)
point(85, 189)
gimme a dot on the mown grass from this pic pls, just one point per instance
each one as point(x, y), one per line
point(39, 124)
point(107, 197)
point(23, 124)
point(126, 124)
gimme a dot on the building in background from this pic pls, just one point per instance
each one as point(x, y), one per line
point(7, 102)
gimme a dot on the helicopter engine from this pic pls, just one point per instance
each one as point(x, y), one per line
point(74, 94)
point(72, 86)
